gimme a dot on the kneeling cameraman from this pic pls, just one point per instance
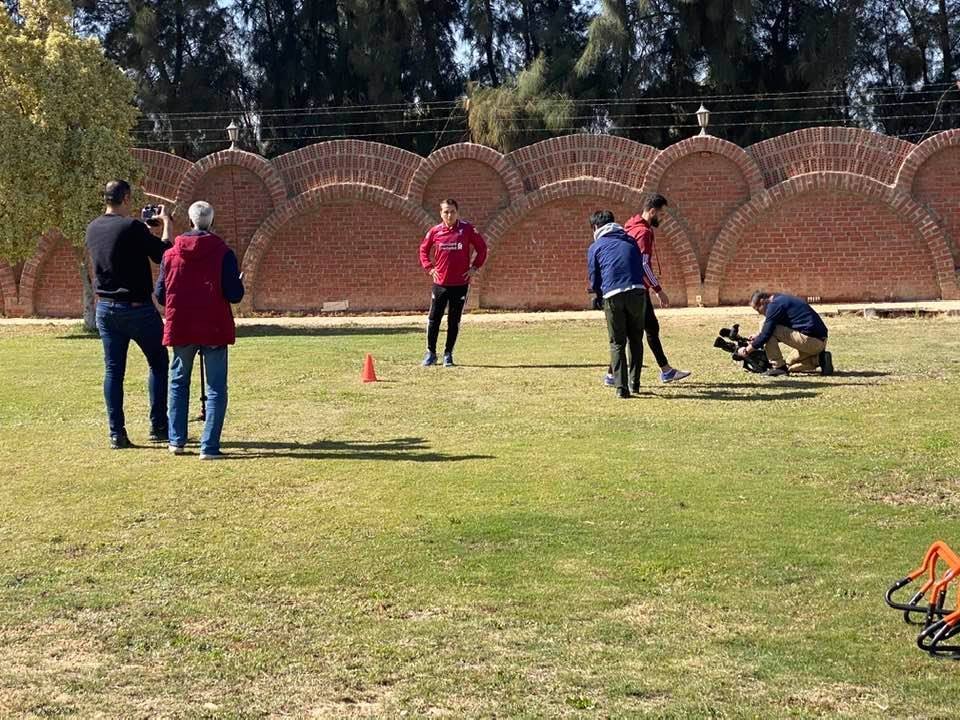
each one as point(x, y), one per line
point(791, 321)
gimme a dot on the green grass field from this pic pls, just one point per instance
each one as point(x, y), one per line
point(503, 539)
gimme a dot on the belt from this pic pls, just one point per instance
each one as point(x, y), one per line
point(628, 288)
point(126, 303)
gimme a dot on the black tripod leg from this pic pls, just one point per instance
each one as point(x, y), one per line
point(203, 389)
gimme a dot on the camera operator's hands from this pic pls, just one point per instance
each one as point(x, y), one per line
point(663, 298)
point(167, 222)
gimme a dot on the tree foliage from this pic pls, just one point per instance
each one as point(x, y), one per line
point(65, 119)
point(397, 70)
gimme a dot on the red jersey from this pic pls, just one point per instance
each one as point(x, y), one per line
point(641, 231)
point(451, 252)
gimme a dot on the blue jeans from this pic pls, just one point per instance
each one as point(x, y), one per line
point(215, 367)
point(119, 323)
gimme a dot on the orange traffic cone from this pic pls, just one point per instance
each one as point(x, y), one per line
point(368, 374)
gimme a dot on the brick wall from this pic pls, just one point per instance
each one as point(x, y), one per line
point(348, 250)
point(59, 291)
point(704, 190)
point(937, 186)
point(242, 191)
point(540, 262)
point(478, 189)
point(840, 213)
point(836, 246)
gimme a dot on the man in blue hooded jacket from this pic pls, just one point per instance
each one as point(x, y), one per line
point(615, 271)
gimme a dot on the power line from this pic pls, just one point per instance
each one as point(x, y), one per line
point(570, 129)
point(447, 119)
point(441, 105)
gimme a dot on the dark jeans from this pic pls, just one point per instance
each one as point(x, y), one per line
point(456, 296)
point(652, 328)
point(625, 320)
point(119, 323)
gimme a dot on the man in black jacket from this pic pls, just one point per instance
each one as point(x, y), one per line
point(121, 249)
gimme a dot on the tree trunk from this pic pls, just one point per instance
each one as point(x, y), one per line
point(89, 306)
point(943, 36)
point(488, 44)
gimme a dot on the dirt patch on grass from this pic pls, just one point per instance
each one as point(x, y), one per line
point(839, 699)
point(900, 489)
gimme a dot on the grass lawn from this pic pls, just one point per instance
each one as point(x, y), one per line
point(502, 539)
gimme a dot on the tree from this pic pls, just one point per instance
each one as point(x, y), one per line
point(65, 118)
point(519, 112)
point(183, 57)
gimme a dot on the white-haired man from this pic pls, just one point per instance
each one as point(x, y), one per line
point(198, 280)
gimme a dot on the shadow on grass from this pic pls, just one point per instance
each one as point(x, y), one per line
point(410, 449)
point(558, 366)
point(760, 396)
point(347, 330)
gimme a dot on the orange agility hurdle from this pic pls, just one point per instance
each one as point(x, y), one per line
point(938, 552)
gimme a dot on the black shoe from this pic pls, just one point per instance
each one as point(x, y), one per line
point(777, 372)
point(826, 363)
point(623, 393)
point(120, 442)
point(159, 435)
point(635, 389)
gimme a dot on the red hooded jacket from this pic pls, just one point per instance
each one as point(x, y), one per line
point(197, 312)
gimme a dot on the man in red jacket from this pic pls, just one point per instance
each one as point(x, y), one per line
point(458, 254)
point(198, 280)
point(640, 228)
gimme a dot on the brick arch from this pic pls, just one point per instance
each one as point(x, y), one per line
point(860, 187)
point(615, 193)
point(256, 164)
point(314, 200)
point(830, 149)
point(501, 164)
point(33, 279)
point(708, 144)
point(243, 189)
point(609, 157)
point(164, 172)
point(348, 162)
point(8, 289)
point(931, 176)
point(922, 153)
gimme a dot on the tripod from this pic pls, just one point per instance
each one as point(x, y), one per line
point(203, 389)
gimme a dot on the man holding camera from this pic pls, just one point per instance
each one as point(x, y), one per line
point(791, 321)
point(198, 280)
point(121, 249)
point(458, 253)
point(615, 272)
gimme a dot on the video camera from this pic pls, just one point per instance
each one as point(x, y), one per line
point(150, 214)
point(731, 341)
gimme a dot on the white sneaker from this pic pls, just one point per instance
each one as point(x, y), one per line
point(213, 456)
point(176, 449)
point(672, 375)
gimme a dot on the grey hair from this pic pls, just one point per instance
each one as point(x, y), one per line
point(201, 215)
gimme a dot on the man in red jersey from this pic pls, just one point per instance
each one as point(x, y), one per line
point(458, 254)
point(640, 228)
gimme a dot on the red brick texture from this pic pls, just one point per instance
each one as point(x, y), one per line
point(328, 255)
point(840, 213)
point(232, 187)
point(540, 261)
point(479, 191)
